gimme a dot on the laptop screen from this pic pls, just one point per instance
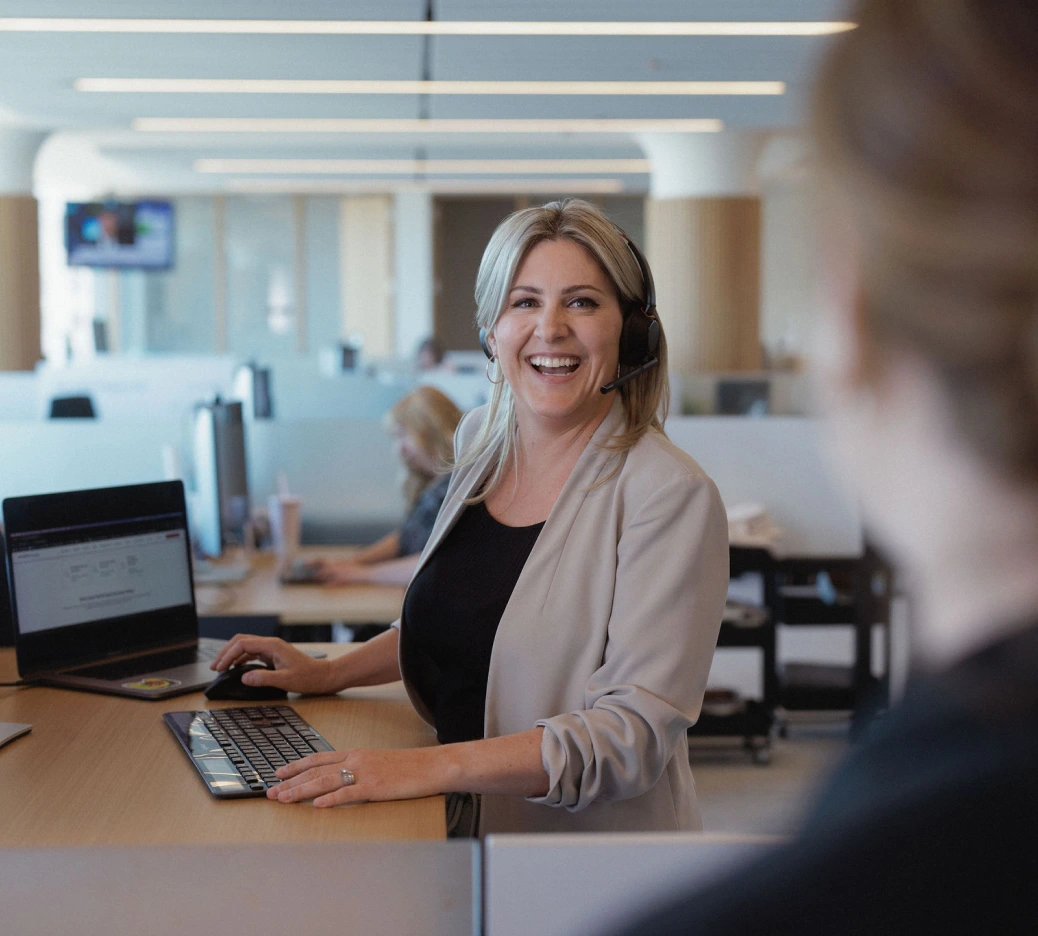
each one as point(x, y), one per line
point(97, 573)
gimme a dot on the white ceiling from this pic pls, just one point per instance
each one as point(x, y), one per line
point(37, 71)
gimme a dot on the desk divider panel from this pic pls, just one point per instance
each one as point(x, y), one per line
point(364, 888)
point(575, 885)
point(344, 470)
point(778, 462)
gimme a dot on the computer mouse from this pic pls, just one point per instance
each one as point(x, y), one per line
point(228, 685)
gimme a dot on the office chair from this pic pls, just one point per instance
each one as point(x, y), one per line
point(72, 407)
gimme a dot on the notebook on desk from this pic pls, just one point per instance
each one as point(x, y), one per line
point(101, 591)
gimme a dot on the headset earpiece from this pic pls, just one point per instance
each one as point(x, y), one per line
point(640, 336)
point(484, 344)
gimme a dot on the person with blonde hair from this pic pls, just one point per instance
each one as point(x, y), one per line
point(560, 626)
point(422, 424)
point(927, 127)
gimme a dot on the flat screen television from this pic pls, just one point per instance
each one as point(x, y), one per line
point(127, 235)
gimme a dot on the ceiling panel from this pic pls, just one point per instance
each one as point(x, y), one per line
point(37, 71)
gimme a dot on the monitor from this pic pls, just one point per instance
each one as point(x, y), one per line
point(743, 397)
point(126, 235)
point(221, 501)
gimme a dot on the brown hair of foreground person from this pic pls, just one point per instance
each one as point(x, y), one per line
point(927, 127)
point(927, 121)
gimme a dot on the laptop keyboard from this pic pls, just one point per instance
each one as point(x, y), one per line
point(150, 663)
point(237, 750)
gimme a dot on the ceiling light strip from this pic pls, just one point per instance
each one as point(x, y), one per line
point(406, 125)
point(420, 166)
point(530, 186)
point(322, 86)
point(418, 27)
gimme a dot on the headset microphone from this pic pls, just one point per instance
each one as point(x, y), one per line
point(620, 381)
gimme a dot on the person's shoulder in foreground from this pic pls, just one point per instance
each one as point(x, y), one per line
point(930, 827)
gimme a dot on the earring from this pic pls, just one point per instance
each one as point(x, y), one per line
point(493, 360)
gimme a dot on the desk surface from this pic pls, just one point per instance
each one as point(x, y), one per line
point(262, 593)
point(99, 769)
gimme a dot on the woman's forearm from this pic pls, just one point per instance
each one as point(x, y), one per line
point(372, 664)
point(386, 548)
point(510, 765)
point(394, 572)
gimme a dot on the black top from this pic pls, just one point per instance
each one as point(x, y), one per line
point(453, 608)
point(417, 526)
point(930, 827)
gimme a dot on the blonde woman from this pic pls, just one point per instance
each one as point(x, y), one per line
point(928, 126)
point(559, 629)
point(423, 425)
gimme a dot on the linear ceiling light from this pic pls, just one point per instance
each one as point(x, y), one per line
point(451, 186)
point(419, 166)
point(418, 27)
point(320, 86)
point(407, 125)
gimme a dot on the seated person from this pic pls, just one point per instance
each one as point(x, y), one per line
point(423, 425)
point(928, 129)
point(560, 627)
point(429, 355)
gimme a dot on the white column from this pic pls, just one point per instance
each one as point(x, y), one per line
point(413, 264)
point(19, 250)
point(793, 281)
point(366, 265)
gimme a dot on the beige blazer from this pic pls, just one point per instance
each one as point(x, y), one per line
point(607, 639)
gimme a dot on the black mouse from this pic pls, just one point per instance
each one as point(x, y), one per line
point(228, 685)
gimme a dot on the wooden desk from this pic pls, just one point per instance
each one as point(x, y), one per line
point(99, 769)
point(262, 593)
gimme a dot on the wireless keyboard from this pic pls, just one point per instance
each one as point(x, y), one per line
point(237, 750)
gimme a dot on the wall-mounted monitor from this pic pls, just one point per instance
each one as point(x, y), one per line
point(125, 235)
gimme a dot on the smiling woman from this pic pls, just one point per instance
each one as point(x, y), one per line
point(572, 248)
point(530, 638)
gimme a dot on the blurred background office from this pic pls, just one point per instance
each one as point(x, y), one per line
point(278, 212)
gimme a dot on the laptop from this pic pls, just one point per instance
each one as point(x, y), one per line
point(102, 597)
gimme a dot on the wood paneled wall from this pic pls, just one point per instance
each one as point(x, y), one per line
point(19, 283)
point(706, 255)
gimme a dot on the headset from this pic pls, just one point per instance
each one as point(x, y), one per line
point(640, 336)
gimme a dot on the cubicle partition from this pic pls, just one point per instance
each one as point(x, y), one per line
point(19, 395)
point(549, 885)
point(366, 888)
point(572, 885)
point(779, 463)
point(135, 389)
point(63, 455)
point(344, 470)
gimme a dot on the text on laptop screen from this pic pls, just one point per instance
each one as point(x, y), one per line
point(78, 574)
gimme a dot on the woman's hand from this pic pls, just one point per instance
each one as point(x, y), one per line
point(378, 775)
point(342, 573)
point(294, 670)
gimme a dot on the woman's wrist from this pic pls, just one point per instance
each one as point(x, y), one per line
point(340, 675)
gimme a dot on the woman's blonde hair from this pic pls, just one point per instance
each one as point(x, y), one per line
point(645, 399)
point(927, 116)
point(430, 418)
